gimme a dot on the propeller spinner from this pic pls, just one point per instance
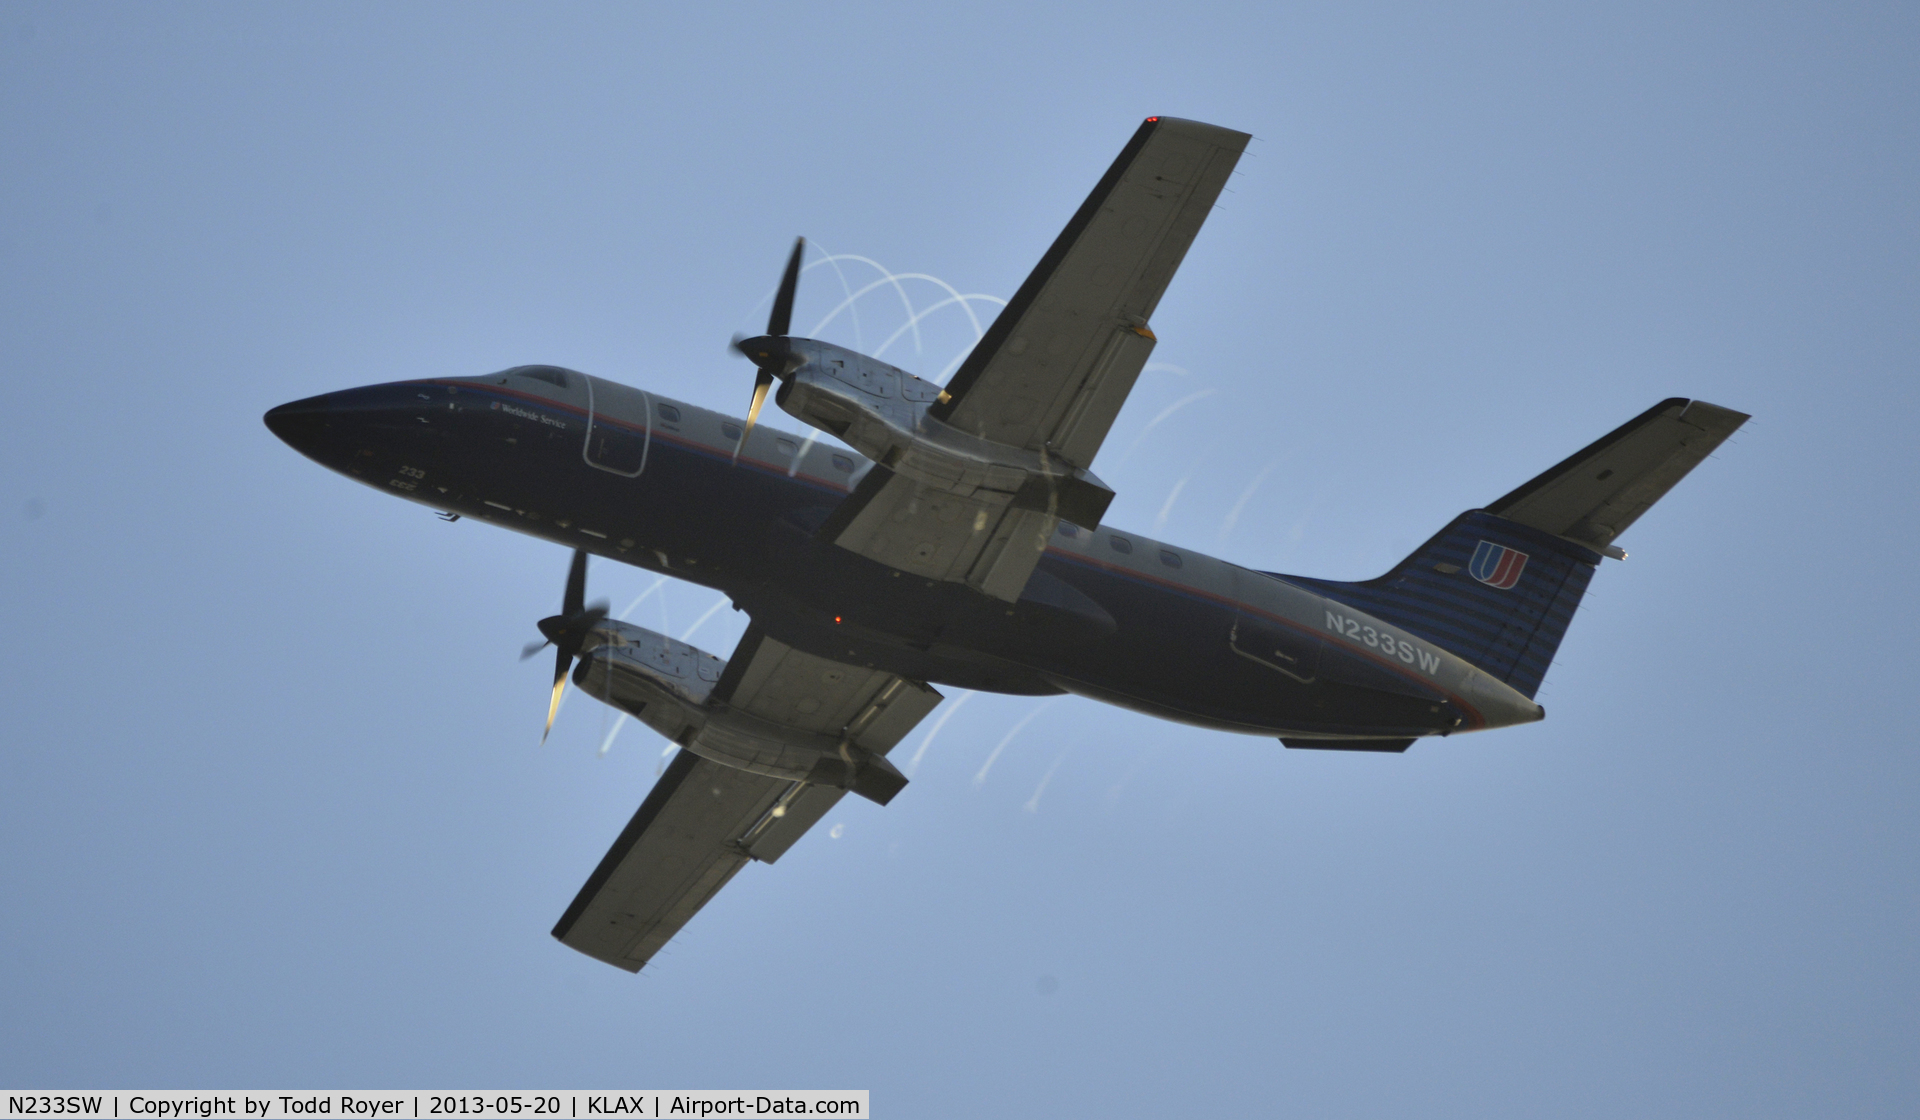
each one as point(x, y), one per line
point(769, 352)
point(567, 631)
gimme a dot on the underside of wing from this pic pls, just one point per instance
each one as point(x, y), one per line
point(782, 737)
point(1044, 384)
point(1061, 357)
point(699, 826)
point(932, 533)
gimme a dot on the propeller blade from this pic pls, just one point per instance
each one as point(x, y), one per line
point(560, 668)
point(567, 632)
point(575, 600)
point(762, 381)
point(781, 321)
point(583, 625)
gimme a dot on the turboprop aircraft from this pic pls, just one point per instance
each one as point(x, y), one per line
point(961, 542)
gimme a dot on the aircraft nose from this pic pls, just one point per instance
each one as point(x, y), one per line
point(302, 423)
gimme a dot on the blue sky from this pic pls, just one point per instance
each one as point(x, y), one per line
point(273, 809)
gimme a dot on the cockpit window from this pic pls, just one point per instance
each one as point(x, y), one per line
point(552, 375)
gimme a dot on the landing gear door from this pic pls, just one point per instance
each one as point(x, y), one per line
point(619, 427)
point(1279, 647)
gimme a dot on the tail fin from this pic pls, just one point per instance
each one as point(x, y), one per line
point(1498, 586)
point(1496, 592)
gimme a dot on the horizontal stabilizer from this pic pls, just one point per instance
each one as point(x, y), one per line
point(1593, 495)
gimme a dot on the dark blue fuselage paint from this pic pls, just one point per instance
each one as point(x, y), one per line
point(514, 453)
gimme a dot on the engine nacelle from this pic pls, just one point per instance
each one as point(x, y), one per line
point(669, 686)
point(881, 412)
point(663, 683)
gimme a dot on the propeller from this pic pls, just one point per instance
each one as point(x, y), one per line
point(769, 351)
point(567, 631)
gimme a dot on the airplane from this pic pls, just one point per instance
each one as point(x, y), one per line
point(957, 539)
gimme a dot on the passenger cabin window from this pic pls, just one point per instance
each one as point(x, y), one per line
point(1120, 544)
point(668, 413)
point(842, 463)
point(1067, 530)
point(731, 431)
point(788, 447)
point(1170, 558)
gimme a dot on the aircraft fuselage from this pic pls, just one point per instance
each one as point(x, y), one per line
point(653, 482)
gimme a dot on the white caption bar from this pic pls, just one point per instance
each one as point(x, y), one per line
point(452, 1104)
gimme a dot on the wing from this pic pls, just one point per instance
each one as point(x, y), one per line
point(1061, 357)
point(1051, 373)
point(704, 821)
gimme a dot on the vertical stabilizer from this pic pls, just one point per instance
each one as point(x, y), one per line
point(1498, 586)
point(1496, 592)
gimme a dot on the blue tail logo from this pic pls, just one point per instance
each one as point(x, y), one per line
point(1497, 565)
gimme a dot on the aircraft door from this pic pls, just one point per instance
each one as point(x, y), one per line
point(619, 427)
point(1277, 646)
